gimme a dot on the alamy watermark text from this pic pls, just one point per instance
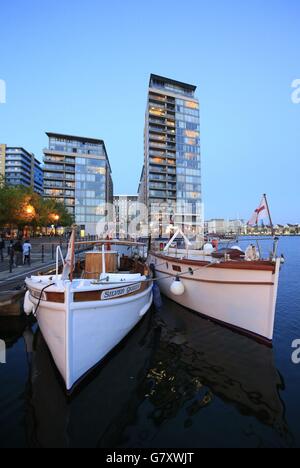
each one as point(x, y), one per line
point(2, 92)
point(296, 93)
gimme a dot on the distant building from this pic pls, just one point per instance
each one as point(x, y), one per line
point(216, 226)
point(170, 184)
point(224, 227)
point(126, 210)
point(19, 167)
point(77, 173)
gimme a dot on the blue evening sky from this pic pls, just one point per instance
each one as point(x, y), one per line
point(82, 67)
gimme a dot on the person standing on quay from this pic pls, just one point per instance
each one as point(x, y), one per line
point(26, 252)
point(2, 247)
point(18, 250)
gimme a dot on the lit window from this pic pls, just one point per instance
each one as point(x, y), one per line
point(192, 104)
point(190, 141)
point(191, 134)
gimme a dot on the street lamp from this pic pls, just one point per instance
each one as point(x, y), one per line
point(29, 210)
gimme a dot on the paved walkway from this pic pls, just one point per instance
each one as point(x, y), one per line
point(15, 279)
point(9, 281)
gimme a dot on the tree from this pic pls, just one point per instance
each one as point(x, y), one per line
point(21, 207)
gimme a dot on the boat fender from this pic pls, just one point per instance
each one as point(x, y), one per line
point(157, 296)
point(28, 305)
point(177, 287)
point(208, 248)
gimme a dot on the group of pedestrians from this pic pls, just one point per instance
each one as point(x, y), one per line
point(19, 252)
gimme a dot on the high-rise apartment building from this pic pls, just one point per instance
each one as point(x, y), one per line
point(170, 184)
point(19, 167)
point(77, 173)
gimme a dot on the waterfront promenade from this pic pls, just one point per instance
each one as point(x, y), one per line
point(42, 259)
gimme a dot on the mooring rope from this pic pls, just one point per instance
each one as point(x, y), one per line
point(191, 271)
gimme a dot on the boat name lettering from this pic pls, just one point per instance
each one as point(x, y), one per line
point(112, 294)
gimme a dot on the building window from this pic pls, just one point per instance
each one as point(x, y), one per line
point(191, 105)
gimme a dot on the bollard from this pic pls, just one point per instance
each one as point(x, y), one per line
point(43, 253)
point(52, 251)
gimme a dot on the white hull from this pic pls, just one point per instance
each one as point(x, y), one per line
point(80, 334)
point(241, 298)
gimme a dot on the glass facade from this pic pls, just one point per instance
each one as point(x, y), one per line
point(78, 171)
point(171, 181)
point(188, 159)
point(90, 190)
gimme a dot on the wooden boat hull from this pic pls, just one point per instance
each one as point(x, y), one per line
point(81, 331)
point(239, 294)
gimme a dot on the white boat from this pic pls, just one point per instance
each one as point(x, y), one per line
point(82, 320)
point(236, 289)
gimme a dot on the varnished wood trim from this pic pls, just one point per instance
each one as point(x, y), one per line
point(57, 297)
point(87, 296)
point(244, 283)
point(91, 296)
point(260, 265)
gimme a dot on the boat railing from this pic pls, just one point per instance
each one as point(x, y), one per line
point(178, 247)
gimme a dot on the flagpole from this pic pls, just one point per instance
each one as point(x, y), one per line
point(269, 214)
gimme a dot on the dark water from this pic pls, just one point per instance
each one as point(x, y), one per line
point(177, 381)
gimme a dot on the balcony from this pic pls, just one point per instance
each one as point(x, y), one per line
point(54, 159)
point(157, 170)
point(158, 130)
point(53, 176)
point(158, 193)
point(155, 144)
point(54, 167)
point(54, 193)
point(170, 123)
point(157, 186)
point(159, 138)
point(70, 169)
point(157, 177)
point(157, 153)
point(157, 97)
point(158, 161)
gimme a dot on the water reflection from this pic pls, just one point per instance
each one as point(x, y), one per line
point(11, 329)
point(173, 366)
point(95, 414)
point(198, 360)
